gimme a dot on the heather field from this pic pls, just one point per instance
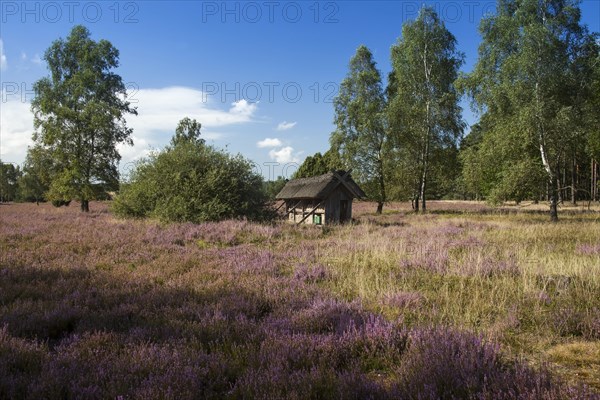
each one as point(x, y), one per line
point(463, 302)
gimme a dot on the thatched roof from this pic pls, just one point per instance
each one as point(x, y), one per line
point(319, 187)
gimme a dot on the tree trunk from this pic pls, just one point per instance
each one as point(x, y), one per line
point(416, 203)
point(594, 186)
point(423, 202)
point(553, 199)
point(425, 149)
point(381, 185)
point(564, 191)
point(85, 206)
point(423, 183)
point(574, 183)
point(553, 184)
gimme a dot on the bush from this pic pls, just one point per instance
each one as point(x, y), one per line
point(192, 182)
point(60, 203)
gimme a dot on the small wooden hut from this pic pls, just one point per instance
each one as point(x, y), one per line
point(320, 200)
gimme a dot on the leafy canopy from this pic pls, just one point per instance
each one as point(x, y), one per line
point(79, 115)
point(424, 113)
point(319, 164)
point(190, 181)
point(360, 135)
point(534, 85)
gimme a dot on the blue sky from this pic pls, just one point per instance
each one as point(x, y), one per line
point(259, 76)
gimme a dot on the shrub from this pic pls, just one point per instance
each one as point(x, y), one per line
point(60, 203)
point(193, 182)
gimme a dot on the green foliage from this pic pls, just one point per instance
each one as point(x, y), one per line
point(38, 169)
point(533, 83)
point(271, 188)
point(192, 182)
point(444, 174)
point(319, 164)
point(472, 174)
point(61, 203)
point(9, 175)
point(593, 114)
point(188, 130)
point(79, 115)
point(8, 181)
point(423, 112)
point(360, 135)
point(64, 187)
point(519, 182)
point(498, 165)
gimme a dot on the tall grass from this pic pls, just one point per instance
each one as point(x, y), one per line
point(527, 283)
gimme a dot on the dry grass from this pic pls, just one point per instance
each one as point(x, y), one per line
point(513, 276)
point(578, 361)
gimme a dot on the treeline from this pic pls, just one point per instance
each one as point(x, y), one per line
point(535, 87)
point(31, 183)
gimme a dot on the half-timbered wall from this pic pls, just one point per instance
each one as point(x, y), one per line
point(328, 211)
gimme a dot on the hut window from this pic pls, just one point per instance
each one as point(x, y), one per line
point(317, 219)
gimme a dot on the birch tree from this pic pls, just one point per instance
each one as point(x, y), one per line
point(424, 114)
point(534, 76)
point(361, 135)
point(79, 115)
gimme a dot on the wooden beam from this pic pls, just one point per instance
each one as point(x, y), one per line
point(311, 213)
point(296, 205)
point(342, 179)
point(282, 204)
point(293, 208)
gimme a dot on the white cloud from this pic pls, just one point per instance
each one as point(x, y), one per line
point(284, 155)
point(242, 107)
point(16, 128)
point(268, 142)
point(162, 109)
point(141, 148)
point(37, 59)
point(3, 61)
point(159, 111)
point(284, 126)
